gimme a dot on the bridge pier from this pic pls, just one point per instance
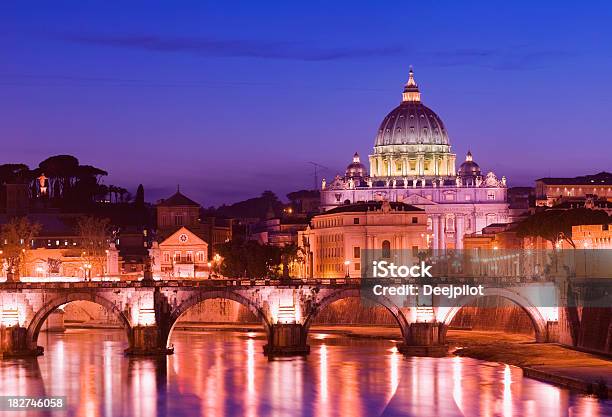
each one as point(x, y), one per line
point(287, 340)
point(147, 341)
point(552, 332)
point(423, 339)
point(14, 343)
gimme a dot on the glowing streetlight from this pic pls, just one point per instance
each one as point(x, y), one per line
point(346, 264)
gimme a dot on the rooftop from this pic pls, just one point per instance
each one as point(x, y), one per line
point(603, 177)
point(178, 199)
point(371, 206)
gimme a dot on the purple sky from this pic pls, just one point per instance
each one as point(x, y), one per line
point(231, 99)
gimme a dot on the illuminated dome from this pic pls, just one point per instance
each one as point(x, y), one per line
point(469, 168)
point(356, 169)
point(412, 141)
point(411, 122)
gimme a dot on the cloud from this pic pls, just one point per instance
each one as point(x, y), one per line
point(281, 50)
point(510, 58)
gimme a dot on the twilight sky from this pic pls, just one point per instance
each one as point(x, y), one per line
point(233, 98)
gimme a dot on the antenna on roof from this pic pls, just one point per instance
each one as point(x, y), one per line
point(316, 172)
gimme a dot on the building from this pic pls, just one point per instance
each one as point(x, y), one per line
point(493, 237)
point(180, 211)
point(57, 253)
point(412, 163)
point(183, 254)
point(552, 191)
point(277, 231)
point(304, 203)
point(175, 212)
point(335, 241)
point(592, 236)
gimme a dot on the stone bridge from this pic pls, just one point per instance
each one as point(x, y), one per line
point(148, 311)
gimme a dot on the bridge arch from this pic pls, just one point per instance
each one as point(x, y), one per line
point(538, 321)
point(356, 292)
point(201, 296)
point(50, 306)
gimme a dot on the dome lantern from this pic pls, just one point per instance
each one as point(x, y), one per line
point(356, 169)
point(469, 169)
point(411, 89)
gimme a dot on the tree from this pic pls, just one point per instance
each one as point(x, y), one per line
point(289, 254)
point(261, 207)
point(94, 234)
point(16, 237)
point(248, 258)
point(70, 183)
point(554, 225)
point(60, 169)
point(140, 199)
point(11, 174)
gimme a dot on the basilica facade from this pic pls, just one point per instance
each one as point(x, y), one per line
point(412, 163)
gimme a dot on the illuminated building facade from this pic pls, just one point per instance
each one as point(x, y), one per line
point(552, 191)
point(412, 163)
point(334, 242)
point(180, 211)
point(592, 236)
point(183, 254)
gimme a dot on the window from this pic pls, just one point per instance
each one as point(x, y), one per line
point(415, 220)
point(178, 219)
point(491, 195)
point(200, 256)
point(357, 266)
point(468, 197)
point(189, 256)
point(166, 257)
point(386, 249)
point(177, 256)
point(356, 220)
point(356, 252)
point(450, 223)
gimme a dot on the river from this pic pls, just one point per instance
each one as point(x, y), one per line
point(225, 374)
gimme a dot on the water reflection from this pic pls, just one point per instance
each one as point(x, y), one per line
point(225, 374)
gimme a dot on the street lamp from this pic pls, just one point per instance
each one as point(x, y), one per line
point(347, 263)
